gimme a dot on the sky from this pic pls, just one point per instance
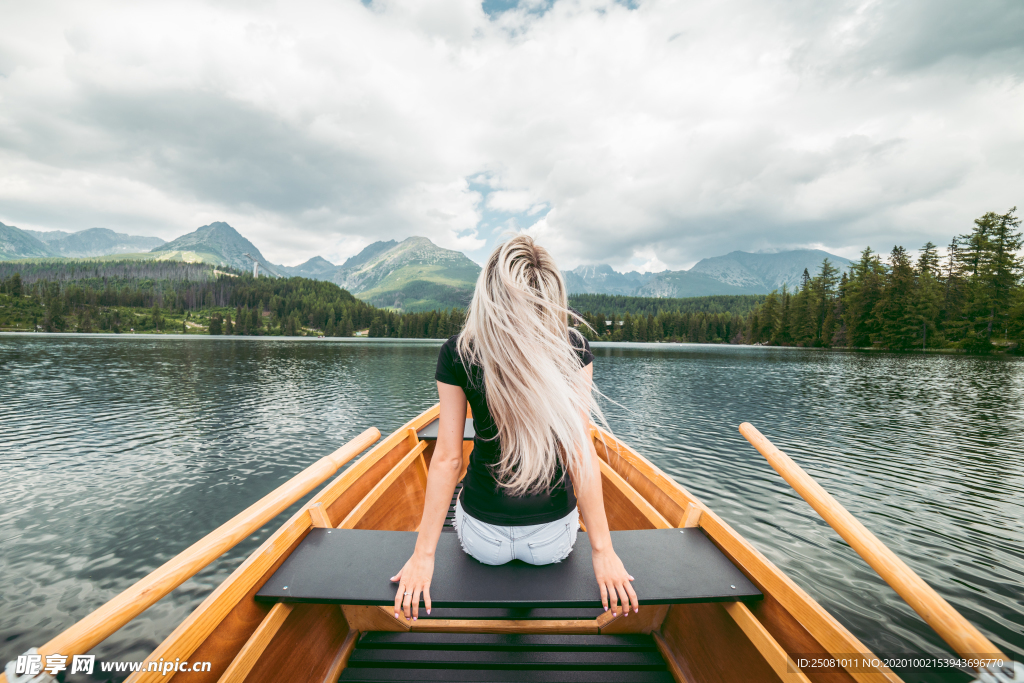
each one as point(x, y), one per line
point(643, 134)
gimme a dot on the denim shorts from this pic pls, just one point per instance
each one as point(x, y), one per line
point(536, 544)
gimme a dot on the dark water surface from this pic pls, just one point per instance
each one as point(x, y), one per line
point(117, 453)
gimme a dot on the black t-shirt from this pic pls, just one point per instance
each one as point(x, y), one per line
point(482, 496)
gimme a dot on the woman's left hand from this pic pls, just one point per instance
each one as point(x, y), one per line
point(614, 582)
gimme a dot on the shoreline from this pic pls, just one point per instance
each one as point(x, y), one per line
point(1010, 350)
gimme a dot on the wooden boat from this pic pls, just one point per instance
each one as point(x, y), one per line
point(245, 639)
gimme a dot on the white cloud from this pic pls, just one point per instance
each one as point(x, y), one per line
point(661, 134)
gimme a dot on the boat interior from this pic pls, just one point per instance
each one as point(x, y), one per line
point(313, 603)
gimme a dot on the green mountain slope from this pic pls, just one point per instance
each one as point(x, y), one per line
point(16, 243)
point(413, 275)
point(220, 244)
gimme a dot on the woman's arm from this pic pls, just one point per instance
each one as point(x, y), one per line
point(445, 468)
point(612, 577)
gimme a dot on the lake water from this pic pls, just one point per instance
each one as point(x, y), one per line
point(117, 453)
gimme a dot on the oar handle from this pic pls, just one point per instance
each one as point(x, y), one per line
point(960, 634)
point(96, 627)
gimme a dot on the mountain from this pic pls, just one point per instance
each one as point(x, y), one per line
point(97, 242)
point(767, 272)
point(414, 275)
point(47, 236)
point(739, 272)
point(16, 243)
point(316, 268)
point(601, 279)
point(216, 243)
point(680, 284)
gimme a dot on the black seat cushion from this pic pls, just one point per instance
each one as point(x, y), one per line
point(353, 567)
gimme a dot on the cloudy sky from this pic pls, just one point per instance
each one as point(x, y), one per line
point(642, 134)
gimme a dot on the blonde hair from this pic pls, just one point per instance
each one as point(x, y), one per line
point(518, 331)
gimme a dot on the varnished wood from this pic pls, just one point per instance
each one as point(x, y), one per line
point(97, 626)
point(373, 618)
point(567, 626)
point(341, 658)
point(711, 648)
point(345, 492)
point(647, 620)
point(793, 637)
point(692, 518)
point(224, 621)
point(669, 500)
point(305, 648)
point(243, 662)
point(772, 652)
point(674, 667)
point(396, 503)
point(232, 604)
point(796, 606)
point(319, 517)
point(627, 509)
point(960, 634)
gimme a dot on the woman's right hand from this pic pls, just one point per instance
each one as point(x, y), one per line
point(414, 580)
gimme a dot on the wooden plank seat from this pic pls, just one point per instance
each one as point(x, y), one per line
point(352, 567)
point(505, 657)
point(429, 432)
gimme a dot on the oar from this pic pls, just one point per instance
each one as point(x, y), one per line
point(960, 634)
point(94, 629)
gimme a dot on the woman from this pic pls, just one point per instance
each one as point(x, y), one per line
point(533, 460)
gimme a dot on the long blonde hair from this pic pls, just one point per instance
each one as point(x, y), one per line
point(518, 331)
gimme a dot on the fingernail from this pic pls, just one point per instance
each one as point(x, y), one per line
point(631, 578)
point(636, 609)
point(428, 611)
point(396, 615)
point(415, 618)
point(615, 614)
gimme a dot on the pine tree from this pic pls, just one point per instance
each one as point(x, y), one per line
point(896, 323)
point(216, 324)
point(864, 289)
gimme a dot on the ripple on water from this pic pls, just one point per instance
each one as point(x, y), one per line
point(120, 452)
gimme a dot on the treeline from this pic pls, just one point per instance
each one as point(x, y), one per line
point(97, 271)
point(965, 300)
point(428, 325)
point(618, 305)
point(261, 305)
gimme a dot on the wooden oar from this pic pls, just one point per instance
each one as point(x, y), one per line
point(96, 627)
point(962, 636)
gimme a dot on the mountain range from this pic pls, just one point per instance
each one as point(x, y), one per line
point(739, 272)
point(415, 274)
point(17, 243)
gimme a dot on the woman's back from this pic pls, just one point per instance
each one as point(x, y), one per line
point(483, 497)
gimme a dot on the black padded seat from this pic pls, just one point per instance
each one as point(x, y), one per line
point(506, 657)
point(353, 567)
point(429, 433)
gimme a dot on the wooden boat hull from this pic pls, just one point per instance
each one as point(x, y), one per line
point(384, 489)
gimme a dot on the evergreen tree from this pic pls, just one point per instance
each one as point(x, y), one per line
point(895, 318)
point(928, 260)
point(216, 324)
point(864, 289)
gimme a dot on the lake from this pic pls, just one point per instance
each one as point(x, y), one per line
point(119, 452)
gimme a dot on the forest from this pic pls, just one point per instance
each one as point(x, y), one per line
point(176, 297)
point(970, 299)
